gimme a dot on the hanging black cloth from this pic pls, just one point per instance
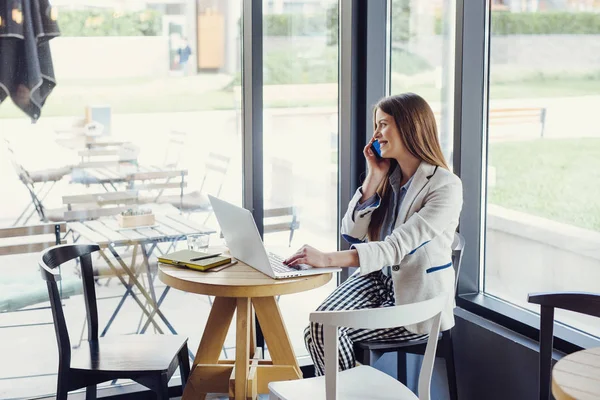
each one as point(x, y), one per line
point(26, 71)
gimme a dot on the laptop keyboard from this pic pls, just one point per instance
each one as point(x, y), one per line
point(279, 267)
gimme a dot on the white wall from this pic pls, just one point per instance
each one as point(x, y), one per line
point(110, 57)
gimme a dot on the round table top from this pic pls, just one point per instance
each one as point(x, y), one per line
point(577, 376)
point(239, 280)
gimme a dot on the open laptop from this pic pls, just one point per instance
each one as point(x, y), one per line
point(245, 244)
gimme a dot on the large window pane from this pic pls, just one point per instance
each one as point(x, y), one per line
point(127, 64)
point(422, 58)
point(543, 214)
point(300, 138)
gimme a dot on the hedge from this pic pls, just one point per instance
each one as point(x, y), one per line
point(541, 23)
point(400, 18)
point(545, 23)
point(109, 23)
point(294, 25)
point(148, 23)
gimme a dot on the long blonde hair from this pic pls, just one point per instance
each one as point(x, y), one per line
point(418, 131)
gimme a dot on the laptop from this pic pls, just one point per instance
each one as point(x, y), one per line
point(245, 244)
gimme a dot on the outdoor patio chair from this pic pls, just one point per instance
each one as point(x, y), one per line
point(365, 382)
point(159, 184)
point(21, 288)
point(584, 303)
point(368, 353)
point(281, 219)
point(39, 184)
point(174, 150)
point(216, 169)
point(149, 360)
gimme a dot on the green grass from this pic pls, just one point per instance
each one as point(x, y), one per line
point(172, 94)
point(554, 179)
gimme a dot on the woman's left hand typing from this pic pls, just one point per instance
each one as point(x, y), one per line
point(308, 255)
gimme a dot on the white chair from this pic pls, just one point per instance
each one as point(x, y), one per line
point(364, 382)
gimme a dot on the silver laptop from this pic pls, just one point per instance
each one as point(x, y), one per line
point(245, 244)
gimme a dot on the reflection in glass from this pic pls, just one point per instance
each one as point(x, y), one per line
point(300, 139)
point(161, 80)
point(422, 58)
point(543, 217)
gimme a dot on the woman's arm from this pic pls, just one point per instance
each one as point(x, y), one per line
point(440, 211)
point(356, 224)
point(311, 256)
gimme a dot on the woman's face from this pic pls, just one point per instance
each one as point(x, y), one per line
point(388, 135)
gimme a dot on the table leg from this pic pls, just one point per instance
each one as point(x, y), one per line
point(276, 336)
point(253, 333)
point(128, 289)
point(209, 351)
point(242, 346)
point(143, 292)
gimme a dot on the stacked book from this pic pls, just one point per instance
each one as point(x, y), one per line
point(196, 260)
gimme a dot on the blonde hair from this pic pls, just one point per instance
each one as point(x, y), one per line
point(418, 131)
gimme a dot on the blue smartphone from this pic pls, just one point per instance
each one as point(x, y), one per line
point(376, 149)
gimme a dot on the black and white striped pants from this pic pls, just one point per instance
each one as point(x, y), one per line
point(358, 292)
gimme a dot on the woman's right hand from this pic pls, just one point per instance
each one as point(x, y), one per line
point(378, 169)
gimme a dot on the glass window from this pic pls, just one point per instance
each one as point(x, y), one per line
point(543, 214)
point(164, 79)
point(422, 58)
point(300, 139)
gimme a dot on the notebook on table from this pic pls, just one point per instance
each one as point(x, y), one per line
point(186, 258)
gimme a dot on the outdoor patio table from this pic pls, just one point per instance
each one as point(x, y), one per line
point(106, 232)
point(243, 288)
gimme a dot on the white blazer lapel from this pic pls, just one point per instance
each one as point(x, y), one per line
point(420, 180)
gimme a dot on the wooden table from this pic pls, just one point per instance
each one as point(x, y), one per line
point(249, 291)
point(111, 238)
point(577, 376)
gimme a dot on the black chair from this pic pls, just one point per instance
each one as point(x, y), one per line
point(584, 303)
point(149, 360)
point(368, 353)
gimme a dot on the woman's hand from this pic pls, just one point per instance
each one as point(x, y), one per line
point(378, 169)
point(308, 255)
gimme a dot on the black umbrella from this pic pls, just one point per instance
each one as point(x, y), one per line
point(26, 72)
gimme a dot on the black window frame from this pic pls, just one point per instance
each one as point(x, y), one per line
point(470, 163)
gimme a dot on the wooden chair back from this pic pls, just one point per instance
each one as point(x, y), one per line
point(284, 219)
point(580, 302)
point(126, 152)
point(153, 184)
point(96, 205)
point(50, 261)
point(22, 290)
point(57, 229)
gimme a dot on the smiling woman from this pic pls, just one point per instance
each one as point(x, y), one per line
point(401, 224)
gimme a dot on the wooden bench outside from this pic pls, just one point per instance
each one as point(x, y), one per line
point(519, 116)
point(513, 116)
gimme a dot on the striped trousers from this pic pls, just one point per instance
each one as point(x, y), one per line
point(358, 292)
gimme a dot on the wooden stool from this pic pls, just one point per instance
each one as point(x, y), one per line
point(577, 376)
point(248, 291)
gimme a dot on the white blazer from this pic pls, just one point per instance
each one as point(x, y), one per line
point(419, 248)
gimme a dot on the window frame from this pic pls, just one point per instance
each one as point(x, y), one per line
point(471, 150)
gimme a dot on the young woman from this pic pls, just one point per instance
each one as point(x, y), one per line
point(401, 224)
